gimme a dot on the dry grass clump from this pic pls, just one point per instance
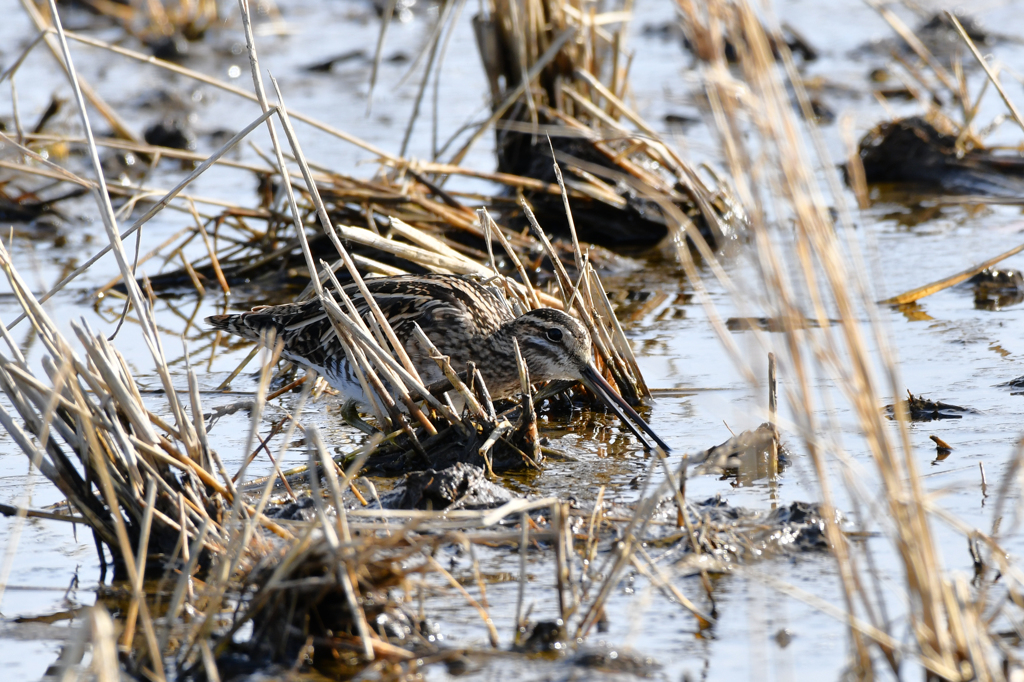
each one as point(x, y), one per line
point(306, 608)
point(562, 70)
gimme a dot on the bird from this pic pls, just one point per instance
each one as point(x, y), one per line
point(464, 319)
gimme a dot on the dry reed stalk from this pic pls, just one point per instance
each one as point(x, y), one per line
point(622, 556)
point(104, 645)
point(339, 534)
point(946, 282)
point(915, 44)
point(472, 403)
point(992, 77)
point(818, 258)
point(145, 149)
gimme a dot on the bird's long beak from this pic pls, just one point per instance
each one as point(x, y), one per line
point(593, 380)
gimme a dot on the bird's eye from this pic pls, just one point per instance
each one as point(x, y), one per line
point(554, 334)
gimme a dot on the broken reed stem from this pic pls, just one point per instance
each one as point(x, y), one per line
point(773, 400)
point(127, 556)
point(484, 615)
point(502, 428)
point(443, 363)
point(137, 594)
point(105, 658)
point(345, 571)
point(559, 514)
point(491, 228)
point(988, 69)
point(952, 280)
point(524, 541)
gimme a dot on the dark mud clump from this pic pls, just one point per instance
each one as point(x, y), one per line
point(798, 526)
point(912, 152)
point(941, 37)
point(461, 486)
point(613, 660)
point(1016, 386)
point(460, 443)
point(729, 536)
point(23, 207)
point(997, 288)
point(548, 637)
point(174, 133)
point(302, 509)
point(925, 410)
point(543, 637)
point(637, 221)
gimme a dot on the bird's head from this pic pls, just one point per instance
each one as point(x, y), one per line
point(555, 345)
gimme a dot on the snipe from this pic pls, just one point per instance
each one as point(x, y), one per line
point(465, 320)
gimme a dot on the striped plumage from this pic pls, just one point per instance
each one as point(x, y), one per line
point(464, 319)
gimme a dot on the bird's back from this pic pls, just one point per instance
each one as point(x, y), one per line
point(456, 313)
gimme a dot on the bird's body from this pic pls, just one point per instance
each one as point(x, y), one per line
point(458, 315)
point(465, 320)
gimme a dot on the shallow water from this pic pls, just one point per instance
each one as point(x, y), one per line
point(947, 350)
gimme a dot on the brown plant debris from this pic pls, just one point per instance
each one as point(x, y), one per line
point(921, 409)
